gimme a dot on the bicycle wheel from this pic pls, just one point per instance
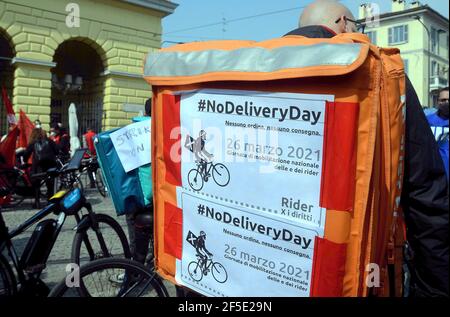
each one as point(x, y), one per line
point(195, 271)
point(195, 179)
point(86, 245)
point(221, 175)
point(99, 182)
point(113, 277)
point(219, 273)
point(8, 286)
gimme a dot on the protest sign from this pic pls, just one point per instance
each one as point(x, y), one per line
point(251, 167)
point(132, 144)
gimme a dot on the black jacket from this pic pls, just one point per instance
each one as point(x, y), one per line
point(424, 196)
point(44, 155)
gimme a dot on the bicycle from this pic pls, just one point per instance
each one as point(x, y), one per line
point(19, 183)
point(68, 179)
point(198, 269)
point(69, 176)
point(91, 170)
point(199, 175)
point(33, 260)
point(98, 279)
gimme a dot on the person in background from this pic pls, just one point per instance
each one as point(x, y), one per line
point(52, 134)
point(44, 153)
point(140, 223)
point(425, 186)
point(88, 143)
point(37, 123)
point(439, 125)
point(62, 140)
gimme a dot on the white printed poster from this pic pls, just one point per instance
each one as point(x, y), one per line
point(132, 144)
point(256, 160)
point(239, 252)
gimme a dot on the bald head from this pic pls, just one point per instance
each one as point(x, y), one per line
point(326, 12)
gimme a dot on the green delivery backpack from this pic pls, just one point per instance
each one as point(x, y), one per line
point(124, 188)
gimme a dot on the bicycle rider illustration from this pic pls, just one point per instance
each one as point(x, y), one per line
point(201, 250)
point(204, 263)
point(202, 156)
point(205, 167)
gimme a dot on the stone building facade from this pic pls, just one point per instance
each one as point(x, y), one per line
point(54, 52)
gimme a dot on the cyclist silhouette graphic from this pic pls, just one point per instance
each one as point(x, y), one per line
point(202, 156)
point(200, 247)
point(205, 167)
point(204, 263)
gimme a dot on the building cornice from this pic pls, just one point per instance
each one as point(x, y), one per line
point(164, 6)
point(410, 12)
point(21, 60)
point(116, 73)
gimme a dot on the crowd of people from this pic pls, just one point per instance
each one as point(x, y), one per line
point(43, 153)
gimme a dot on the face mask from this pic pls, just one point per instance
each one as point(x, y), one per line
point(443, 110)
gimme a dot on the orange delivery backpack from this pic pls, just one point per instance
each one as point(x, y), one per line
point(278, 165)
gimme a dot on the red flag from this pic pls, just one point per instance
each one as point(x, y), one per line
point(25, 126)
point(10, 114)
point(8, 147)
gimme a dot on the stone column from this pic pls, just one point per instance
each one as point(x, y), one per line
point(32, 89)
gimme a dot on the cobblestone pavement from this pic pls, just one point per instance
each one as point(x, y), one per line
point(60, 255)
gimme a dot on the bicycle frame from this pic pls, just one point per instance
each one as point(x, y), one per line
point(90, 168)
point(9, 178)
point(206, 264)
point(83, 222)
point(25, 175)
point(7, 237)
point(27, 180)
point(209, 167)
point(89, 221)
point(32, 220)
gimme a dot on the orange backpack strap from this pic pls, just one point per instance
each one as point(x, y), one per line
point(393, 120)
point(388, 234)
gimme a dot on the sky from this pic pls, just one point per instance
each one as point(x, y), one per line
point(181, 26)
